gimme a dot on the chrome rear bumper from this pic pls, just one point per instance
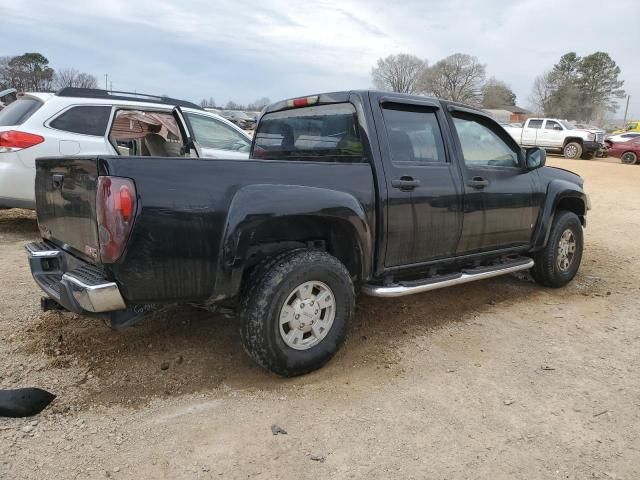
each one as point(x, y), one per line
point(78, 286)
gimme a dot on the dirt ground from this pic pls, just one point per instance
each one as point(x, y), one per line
point(500, 379)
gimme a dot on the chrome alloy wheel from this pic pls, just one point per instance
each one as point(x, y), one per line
point(571, 151)
point(566, 250)
point(307, 315)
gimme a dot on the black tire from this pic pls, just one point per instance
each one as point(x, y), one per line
point(269, 287)
point(546, 270)
point(629, 158)
point(572, 150)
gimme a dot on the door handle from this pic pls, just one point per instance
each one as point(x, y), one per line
point(478, 182)
point(405, 183)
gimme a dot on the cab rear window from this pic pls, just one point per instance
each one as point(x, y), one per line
point(16, 113)
point(325, 133)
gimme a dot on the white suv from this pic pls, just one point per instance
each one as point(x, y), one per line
point(76, 121)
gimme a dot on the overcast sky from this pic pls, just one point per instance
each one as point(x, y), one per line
point(243, 50)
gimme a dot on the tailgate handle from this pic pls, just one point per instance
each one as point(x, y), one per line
point(58, 180)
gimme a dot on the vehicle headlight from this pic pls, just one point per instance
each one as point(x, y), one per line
point(591, 136)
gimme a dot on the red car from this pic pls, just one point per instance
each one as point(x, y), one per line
point(628, 151)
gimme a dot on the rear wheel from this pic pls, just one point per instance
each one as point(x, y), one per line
point(572, 150)
point(558, 263)
point(629, 158)
point(296, 311)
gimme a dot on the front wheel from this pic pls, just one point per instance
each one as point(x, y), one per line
point(572, 150)
point(296, 311)
point(629, 158)
point(558, 262)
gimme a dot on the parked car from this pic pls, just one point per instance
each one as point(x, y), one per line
point(633, 126)
point(558, 135)
point(620, 137)
point(240, 118)
point(78, 121)
point(628, 151)
point(386, 193)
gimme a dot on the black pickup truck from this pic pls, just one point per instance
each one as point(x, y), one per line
point(385, 193)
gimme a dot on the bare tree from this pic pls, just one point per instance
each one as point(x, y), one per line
point(398, 73)
point(459, 78)
point(211, 103)
point(541, 93)
point(259, 104)
point(231, 105)
point(4, 73)
point(70, 77)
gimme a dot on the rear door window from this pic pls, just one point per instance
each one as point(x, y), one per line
point(83, 119)
point(535, 124)
point(16, 113)
point(326, 133)
point(414, 135)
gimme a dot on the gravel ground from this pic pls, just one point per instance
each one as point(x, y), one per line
point(491, 380)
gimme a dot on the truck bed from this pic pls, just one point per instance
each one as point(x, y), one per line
point(176, 245)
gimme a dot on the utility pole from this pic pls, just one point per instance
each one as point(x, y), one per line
point(626, 110)
point(106, 81)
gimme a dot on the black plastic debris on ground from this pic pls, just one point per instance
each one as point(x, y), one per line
point(24, 402)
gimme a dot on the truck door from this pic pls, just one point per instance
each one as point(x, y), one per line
point(423, 207)
point(552, 134)
point(530, 132)
point(499, 203)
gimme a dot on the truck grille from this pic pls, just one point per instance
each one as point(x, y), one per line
point(599, 137)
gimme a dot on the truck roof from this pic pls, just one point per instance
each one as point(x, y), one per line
point(343, 96)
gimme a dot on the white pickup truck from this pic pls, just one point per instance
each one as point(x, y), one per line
point(558, 135)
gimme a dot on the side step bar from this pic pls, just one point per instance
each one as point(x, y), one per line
point(466, 276)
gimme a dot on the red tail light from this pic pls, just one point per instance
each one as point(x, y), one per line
point(14, 140)
point(115, 208)
point(303, 101)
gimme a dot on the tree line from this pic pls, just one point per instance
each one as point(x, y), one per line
point(582, 88)
point(32, 72)
point(254, 106)
point(458, 77)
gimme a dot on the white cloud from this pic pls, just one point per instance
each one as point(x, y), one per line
point(281, 48)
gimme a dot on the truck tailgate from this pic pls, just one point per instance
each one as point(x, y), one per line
point(66, 204)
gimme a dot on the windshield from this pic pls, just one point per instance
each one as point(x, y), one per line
point(567, 125)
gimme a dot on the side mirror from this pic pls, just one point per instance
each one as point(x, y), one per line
point(535, 158)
